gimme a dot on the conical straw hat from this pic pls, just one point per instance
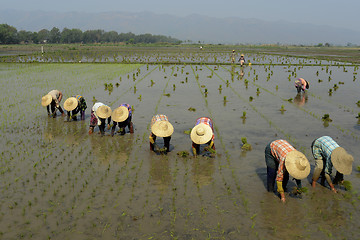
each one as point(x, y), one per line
point(70, 104)
point(162, 128)
point(103, 111)
point(297, 164)
point(46, 100)
point(201, 133)
point(342, 161)
point(120, 114)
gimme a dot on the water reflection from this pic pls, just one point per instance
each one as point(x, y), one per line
point(241, 73)
point(160, 172)
point(281, 220)
point(300, 99)
point(202, 170)
point(53, 128)
point(114, 150)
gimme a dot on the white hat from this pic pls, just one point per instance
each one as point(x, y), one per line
point(162, 128)
point(297, 164)
point(103, 111)
point(46, 100)
point(120, 114)
point(70, 104)
point(342, 161)
point(201, 133)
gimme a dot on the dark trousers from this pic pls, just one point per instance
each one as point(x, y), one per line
point(272, 165)
point(271, 177)
point(166, 142)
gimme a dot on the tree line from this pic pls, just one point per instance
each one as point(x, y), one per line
point(10, 35)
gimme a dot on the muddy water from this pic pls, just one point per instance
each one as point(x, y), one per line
point(59, 182)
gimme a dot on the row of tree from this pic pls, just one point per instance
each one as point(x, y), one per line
point(10, 35)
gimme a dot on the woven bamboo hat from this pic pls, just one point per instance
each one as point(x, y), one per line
point(297, 164)
point(162, 128)
point(201, 133)
point(70, 104)
point(120, 114)
point(46, 100)
point(103, 111)
point(342, 161)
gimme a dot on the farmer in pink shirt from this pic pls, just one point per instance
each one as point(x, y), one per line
point(301, 84)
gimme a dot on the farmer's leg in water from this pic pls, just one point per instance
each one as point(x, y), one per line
point(195, 148)
point(339, 178)
point(271, 168)
point(113, 128)
point(167, 143)
point(152, 141)
point(102, 126)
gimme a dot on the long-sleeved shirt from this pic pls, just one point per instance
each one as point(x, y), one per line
point(322, 149)
point(82, 103)
point(55, 94)
point(94, 108)
point(280, 149)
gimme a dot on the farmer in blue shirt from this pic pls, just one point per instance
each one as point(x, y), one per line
point(328, 153)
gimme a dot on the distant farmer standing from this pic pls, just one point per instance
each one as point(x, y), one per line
point(99, 113)
point(52, 100)
point(160, 127)
point(328, 153)
point(233, 56)
point(202, 133)
point(242, 60)
point(122, 116)
point(301, 84)
point(281, 160)
point(74, 105)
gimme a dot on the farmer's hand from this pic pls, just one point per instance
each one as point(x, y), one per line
point(333, 189)
point(282, 197)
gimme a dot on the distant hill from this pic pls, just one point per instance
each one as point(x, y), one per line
point(193, 27)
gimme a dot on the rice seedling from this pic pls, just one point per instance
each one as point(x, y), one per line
point(244, 115)
point(326, 118)
point(282, 109)
point(347, 185)
point(245, 145)
point(183, 154)
point(191, 109)
point(225, 100)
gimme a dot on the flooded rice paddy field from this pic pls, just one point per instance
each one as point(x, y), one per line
point(58, 182)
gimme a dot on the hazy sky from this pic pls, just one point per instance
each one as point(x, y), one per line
point(337, 13)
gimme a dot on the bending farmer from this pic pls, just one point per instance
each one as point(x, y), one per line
point(202, 133)
point(122, 116)
point(328, 153)
point(99, 113)
point(281, 160)
point(52, 99)
point(74, 105)
point(160, 127)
